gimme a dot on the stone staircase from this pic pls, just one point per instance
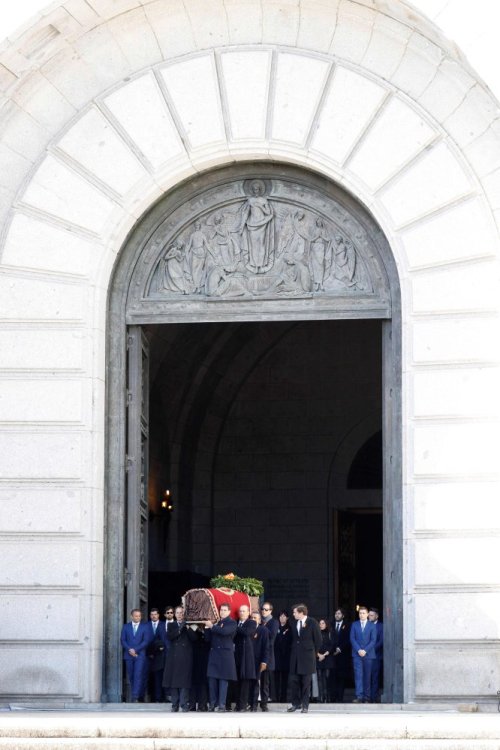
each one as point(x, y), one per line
point(333, 728)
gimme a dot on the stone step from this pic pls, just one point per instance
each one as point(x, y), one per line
point(318, 730)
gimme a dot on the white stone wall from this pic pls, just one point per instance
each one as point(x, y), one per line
point(108, 104)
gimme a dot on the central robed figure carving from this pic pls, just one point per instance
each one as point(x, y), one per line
point(260, 238)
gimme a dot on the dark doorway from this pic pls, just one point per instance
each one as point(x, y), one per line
point(244, 421)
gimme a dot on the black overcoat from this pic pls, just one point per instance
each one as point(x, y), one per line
point(243, 650)
point(326, 645)
point(261, 647)
point(304, 647)
point(272, 627)
point(221, 657)
point(282, 648)
point(179, 658)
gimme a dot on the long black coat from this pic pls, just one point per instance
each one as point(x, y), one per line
point(282, 648)
point(243, 650)
point(326, 645)
point(221, 663)
point(261, 647)
point(304, 647)
point(272, 627)
point(179, 658)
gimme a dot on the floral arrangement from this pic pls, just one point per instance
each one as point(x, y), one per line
point(250, 586)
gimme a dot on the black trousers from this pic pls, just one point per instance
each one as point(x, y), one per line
point(155, 685)
point(300, 689)
point(266, 686)
point(243, 694)
point(281, 686)
point(337, 681)
point(323, 685)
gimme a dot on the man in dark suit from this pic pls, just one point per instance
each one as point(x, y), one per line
point(267, 676)
point(261, 650)
point(155, 655)
point(134, 640)
point(179, 661)
point(221, 666)
point(363, 639)
point(341, 654)
point(244, 657)
point(379, 655)
point(306, 643)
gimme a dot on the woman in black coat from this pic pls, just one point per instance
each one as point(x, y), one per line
point(179, 661)
point(221, 666)
point(282, 646)
point(324, 662)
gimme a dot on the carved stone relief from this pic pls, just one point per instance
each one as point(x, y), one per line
point(257, 238)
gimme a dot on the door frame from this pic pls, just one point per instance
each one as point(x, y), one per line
point(116, 420)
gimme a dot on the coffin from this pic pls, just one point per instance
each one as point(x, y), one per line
point(203, 604)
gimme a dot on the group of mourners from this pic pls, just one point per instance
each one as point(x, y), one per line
point(254, 660)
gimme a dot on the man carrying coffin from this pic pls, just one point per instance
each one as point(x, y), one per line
point(244, 656)
point(221, 665)
point(179, 661)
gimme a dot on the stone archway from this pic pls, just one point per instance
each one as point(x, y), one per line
point(146, 290)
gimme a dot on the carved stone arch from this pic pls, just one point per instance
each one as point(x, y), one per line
point(347, 450)
point(348, 238)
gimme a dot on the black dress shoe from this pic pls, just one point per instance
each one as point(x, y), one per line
point(304, 710)
point(211, 709)
point(291, 709)
point(263, 707)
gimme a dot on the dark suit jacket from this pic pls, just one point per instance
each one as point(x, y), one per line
point(304, 647)
point(363, 639)
point(139, 641)
point(379, 644)
point(221, 657)
point(156, 646)
point(243, 650)
point(341, 639)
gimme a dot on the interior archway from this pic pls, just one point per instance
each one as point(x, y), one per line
point(204, 356)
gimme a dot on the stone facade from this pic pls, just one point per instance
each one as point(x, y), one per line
point(108, 105)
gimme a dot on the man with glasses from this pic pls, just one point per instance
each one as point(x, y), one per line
point(267, 676)
point(169, 619)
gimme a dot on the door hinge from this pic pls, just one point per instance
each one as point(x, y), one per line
point(130, 397)
point(130, 341)
point(129, 460)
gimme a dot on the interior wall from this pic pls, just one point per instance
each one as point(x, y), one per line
point(271, 513)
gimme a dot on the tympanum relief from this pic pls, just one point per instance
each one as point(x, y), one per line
point(266, 239)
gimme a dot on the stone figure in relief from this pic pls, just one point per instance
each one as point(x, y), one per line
point(257, 230)
point(174, 274)
point(196, 252)
point(224, 244)
point(320, 254)
point(294, 254)
point(344, 261)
